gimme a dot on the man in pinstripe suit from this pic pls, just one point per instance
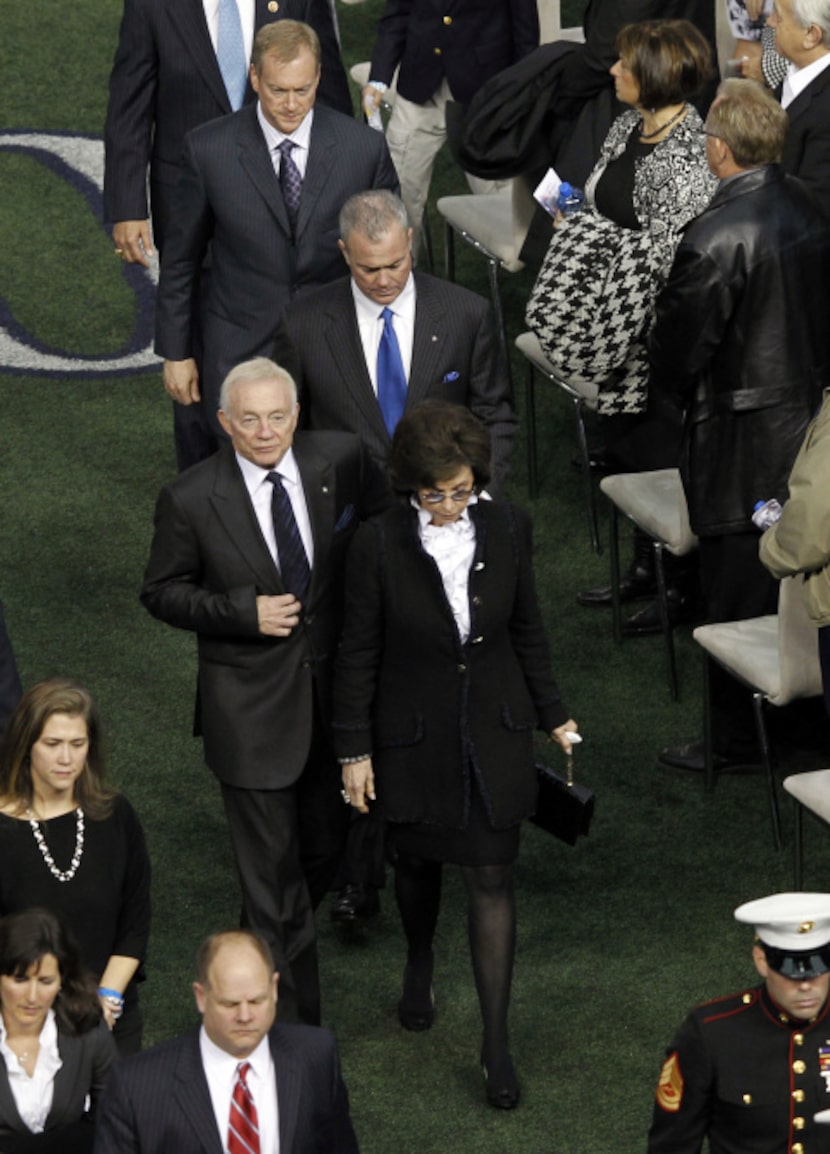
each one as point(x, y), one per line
point(240, 1082)
point(329, 338)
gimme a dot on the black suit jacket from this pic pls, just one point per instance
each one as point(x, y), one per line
point(466, 41)
point(229, 199)
point(159, 1101)
point(10, 688)
point(165, 81)
point(209, 562)
point(807, 147)
point(455, 357)
point(87, 1060)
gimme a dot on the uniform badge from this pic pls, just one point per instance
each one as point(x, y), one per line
point(824, 1064)
point(670, 1086)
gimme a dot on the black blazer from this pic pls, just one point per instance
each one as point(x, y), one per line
point(228, 199)
point(165, 81)
point(455, 357)
point(86, 1059)
point(807, 147)
point(426, 707)
point(209, 562)
point(159, 1100)
point(466, 41)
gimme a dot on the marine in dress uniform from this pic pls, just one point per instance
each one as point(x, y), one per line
point(752, 1071)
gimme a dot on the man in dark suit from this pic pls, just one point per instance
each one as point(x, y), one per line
point(248, 553)
point(444, 52)
point(10, 688)
point(802, 36)
point(270, 233)
point(330, 339)
point(240, 1083)
point(165, 81)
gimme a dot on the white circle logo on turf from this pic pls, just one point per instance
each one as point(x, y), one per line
point(80, 161)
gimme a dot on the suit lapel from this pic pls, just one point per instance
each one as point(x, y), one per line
point(322, 154)
point(289, 1086)
point(190, 1089)
point(343, 337)
point(427, 345)
point(317, 476)
point(256, 163)
point(9, 1116)
point(233, 507)
point(802, 102)
point(189, 18)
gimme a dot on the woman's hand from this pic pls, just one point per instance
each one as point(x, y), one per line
point(560, 734)
point(359, 783)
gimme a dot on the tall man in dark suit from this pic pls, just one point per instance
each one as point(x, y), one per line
point(240, 1083)
point(248, 553)
point(261, 190)
point(330, 339)
point(802, 36)
point(166, 80)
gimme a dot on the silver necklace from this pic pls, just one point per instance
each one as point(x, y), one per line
point(61, 875)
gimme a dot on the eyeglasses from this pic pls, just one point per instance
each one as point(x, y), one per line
point(458, 496)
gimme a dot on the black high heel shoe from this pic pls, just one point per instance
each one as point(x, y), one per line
point(416, 1009)
point(501, 1086)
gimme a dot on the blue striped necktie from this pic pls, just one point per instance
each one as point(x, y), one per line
point(230, 52)
point(293, 560)
point(391, 377)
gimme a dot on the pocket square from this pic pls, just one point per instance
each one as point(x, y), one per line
point(345, 518)
point(449, 377)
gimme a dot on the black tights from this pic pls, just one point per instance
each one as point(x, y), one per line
point(491, 927)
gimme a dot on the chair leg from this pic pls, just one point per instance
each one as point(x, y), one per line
point(614, 550)
point(798, 845)
point(498, 313)
point(426, 241)
point(530, 432)
point(708, 757)
point(449, 252)
point(590, 493)
point(663, 609)
point(766, 759)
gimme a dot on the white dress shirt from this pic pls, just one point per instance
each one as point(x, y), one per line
point(452, 548)
point(246, 15)
point(260, 490)
point(370, 326)
point(220, 1071)
point(300, 137)
point(797, 79)
point(33, 1096)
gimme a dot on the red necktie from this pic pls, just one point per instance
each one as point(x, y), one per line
point(243, 1128)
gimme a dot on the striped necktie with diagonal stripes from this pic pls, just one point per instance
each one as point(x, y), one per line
point(243, 1127)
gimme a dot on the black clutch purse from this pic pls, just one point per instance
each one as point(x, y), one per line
point(563, 807)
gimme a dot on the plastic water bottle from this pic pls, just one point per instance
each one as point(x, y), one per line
point(765, 514)
point(570, 199)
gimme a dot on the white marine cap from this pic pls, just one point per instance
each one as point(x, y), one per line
point(794, 921)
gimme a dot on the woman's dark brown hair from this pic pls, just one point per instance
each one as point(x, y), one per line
point(432, 443)
point(670, 60)
point(36, 706)
point(25, 940)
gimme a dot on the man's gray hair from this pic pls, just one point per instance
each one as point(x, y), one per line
point(372, 214)
point(748, 119)
point(257, 369)
point(816, 12)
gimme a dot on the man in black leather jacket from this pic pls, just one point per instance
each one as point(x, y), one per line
point(741, 344)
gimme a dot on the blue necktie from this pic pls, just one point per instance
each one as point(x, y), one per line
point(230, 52)
point(290, 181)
point(293, 561)
point(391, 377)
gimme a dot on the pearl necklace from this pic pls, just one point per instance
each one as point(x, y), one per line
point(61, 875)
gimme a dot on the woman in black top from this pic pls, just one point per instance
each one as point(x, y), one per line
point(74, 846)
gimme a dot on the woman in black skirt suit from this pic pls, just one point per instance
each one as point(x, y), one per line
point(442, 675)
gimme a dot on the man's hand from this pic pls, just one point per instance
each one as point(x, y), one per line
point(278, 615)
point(370, 98)
point(132, 238)
point(359, 783)
point(181, 380)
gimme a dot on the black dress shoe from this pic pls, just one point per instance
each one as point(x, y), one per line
point(647, 620)
point(353, 902)
point(637, 583)
point(691, 757)
point(501, 1086)
point(416, 1009)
